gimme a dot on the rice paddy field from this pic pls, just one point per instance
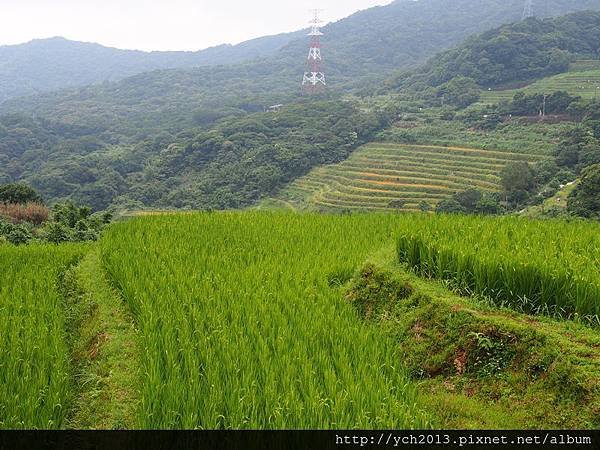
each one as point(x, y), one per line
point(541, 267)
point(585, 84)
point(241, 318)
point(35, 370)
point(388, 176)
point(241, 328)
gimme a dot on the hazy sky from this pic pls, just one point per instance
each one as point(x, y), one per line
point(162, 24)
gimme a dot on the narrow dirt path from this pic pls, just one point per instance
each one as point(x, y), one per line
point(105, 351)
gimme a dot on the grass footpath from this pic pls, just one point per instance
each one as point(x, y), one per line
point(104, 347)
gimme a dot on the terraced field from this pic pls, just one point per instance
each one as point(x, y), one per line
point(385, 176)
point(585, 84)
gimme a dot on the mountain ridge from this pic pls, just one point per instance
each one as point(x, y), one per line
point(368, 45)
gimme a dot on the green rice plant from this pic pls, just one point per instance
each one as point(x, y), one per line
point(35, 372)
point(535, 266)
point(243, 323)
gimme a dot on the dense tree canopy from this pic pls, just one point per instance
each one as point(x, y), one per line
point(18, 193)
point(519, 52)
point(584, 201)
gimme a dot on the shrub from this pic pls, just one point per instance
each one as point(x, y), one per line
point(584, 201)
point(34, 213)
point(450, 206)
point(18, 193)
point(15, 234)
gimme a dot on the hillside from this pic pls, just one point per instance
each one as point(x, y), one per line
point(57, 63)
point(197, 138)
point(585, 84)
point(366, 44)
point(514, 53)
point(384, 176)
point(360, 50)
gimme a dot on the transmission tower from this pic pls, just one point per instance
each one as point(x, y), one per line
point(314, 78)
point(528, 9)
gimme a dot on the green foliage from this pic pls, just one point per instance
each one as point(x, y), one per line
point(542, 267)
point(68, 222)
point(471, 201)
point(379, 291)
point(578, 149)
point(18, 193)
point(449, 206)
point(459, 91)
point(577, 84)
point(242, 160)
point(510, 136)
point(282, 329)
point(584, 201)
point(16, 234)
point(72, 223)
point(517, 180)
point(123, 144)
point(521, 51)
point(36, 388)
point(481, 367)
point(534, 104)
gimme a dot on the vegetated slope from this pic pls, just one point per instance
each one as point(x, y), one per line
point(35, 376)
point(478, 366)
point(385, 176)
point(57, 63)
point(242, 327)
point(365, 46)
point(100, 145)
point(517, 52)
point(232, 165)
point(583, 84)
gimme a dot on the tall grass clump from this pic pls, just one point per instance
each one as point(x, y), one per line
point(546, 267)
point(242, 329)
point(34, 213)
point(35, 373)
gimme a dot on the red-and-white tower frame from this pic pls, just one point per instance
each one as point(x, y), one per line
point(314, 78)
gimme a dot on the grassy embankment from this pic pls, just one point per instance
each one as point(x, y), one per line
point(479, 366)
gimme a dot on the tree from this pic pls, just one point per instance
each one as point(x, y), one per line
point(460, 91)
point(469, 199)
point(517, 176)
point(488, 205)
point(19, 193)
point(449, 206)
point(584, 201)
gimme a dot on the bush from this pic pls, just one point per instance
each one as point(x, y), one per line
point(19, 193)
point(584, 201)
point(450, 206)
point(56, 233)
point(15, 234)
point(34, 213)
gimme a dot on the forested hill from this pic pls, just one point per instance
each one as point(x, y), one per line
point(197, 138)
point(50, 64)
point(515, 53)
point(369, 44)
